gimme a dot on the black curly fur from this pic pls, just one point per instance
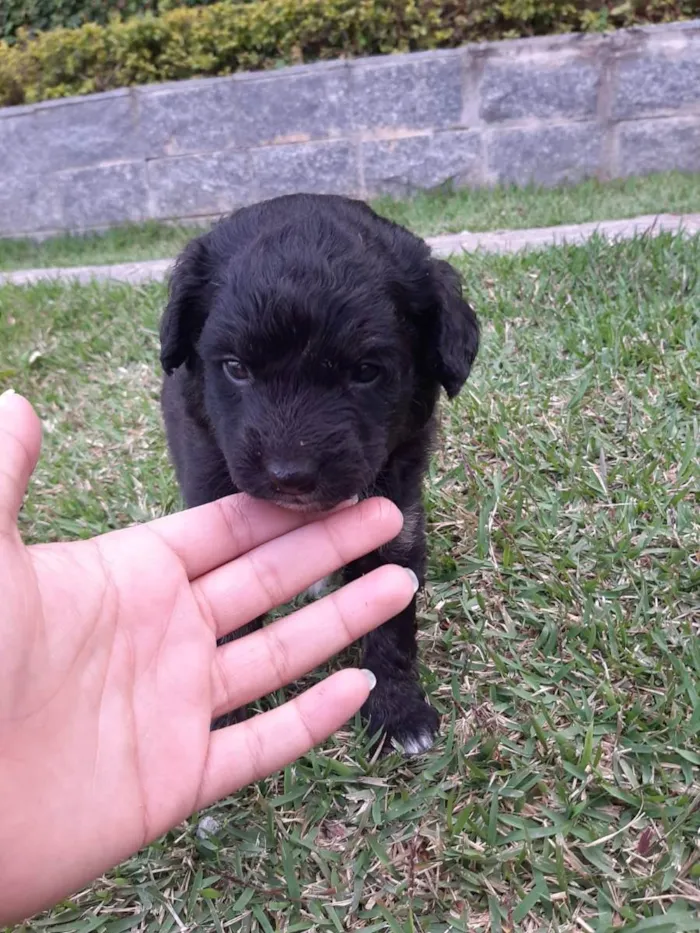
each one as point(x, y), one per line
point(303, 290)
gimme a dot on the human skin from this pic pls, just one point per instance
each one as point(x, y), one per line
point(110, 674)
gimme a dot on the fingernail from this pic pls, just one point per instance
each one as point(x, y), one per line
point(6, 395)
point(371, 679)
point(414, 579)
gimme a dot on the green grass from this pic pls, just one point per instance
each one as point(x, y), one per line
point(129, 243)
point(436, 212)
point(513, 208)
point(559, 630)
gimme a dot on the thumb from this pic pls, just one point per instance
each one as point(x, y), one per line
point(20, 442)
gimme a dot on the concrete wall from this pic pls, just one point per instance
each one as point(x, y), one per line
point(546, 110)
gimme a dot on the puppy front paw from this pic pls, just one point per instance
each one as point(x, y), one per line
point(403, 715)
point(318, 589)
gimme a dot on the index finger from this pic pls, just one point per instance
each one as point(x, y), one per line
point(208, 536)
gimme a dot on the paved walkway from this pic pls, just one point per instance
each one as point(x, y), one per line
point(499, 241)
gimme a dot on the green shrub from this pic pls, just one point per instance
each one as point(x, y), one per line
point(228, 37)
point(41, 15)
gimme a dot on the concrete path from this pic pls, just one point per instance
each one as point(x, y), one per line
point(499, 241)
point(134, 273)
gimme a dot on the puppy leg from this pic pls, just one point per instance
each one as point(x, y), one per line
point(240, 714)
point(397, 705)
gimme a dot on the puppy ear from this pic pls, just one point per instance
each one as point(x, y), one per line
point(186, 311)
point(457, 331)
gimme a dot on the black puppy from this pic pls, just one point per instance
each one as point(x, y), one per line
point(304, 344)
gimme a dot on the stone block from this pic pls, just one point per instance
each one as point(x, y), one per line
point(200, 185)
point(549, 155)
point(659, 146)
point(70, 134)
point(316, 168)
point(102, 196)
point(201, 115)
point(664, 81)
point(28, 205)
point(311, 104)
point(405, 165)
point(403, 92)
point(244, 111)
point(544, 87)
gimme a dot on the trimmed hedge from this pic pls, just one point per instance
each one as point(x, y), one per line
point(40, 15)
point(228, 37)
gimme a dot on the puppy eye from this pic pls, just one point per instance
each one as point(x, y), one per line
point(366, 373)
point(236, 371)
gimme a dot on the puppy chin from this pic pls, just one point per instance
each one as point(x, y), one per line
point(314, 506)
point(297, 506)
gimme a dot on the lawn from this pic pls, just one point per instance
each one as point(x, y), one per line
point(514, 208)
point(428, 214)
point(559, 627)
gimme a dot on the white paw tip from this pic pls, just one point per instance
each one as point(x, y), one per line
point(417, 744)
point(317, 589)
point(208, 826)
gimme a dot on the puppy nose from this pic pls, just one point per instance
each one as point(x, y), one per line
point(297, 476)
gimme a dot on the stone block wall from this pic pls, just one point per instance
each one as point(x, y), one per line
point(546, 110)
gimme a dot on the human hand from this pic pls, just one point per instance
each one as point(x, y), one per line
point(110, 674)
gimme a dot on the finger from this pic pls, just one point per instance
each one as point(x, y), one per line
point(287, 649)
point(20, 441)
point(211, 535)
point(278, 570)
point(259, 746)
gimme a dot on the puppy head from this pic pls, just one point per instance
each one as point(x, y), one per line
point(315, 362)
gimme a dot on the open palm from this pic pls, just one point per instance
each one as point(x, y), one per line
point(110, 673)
